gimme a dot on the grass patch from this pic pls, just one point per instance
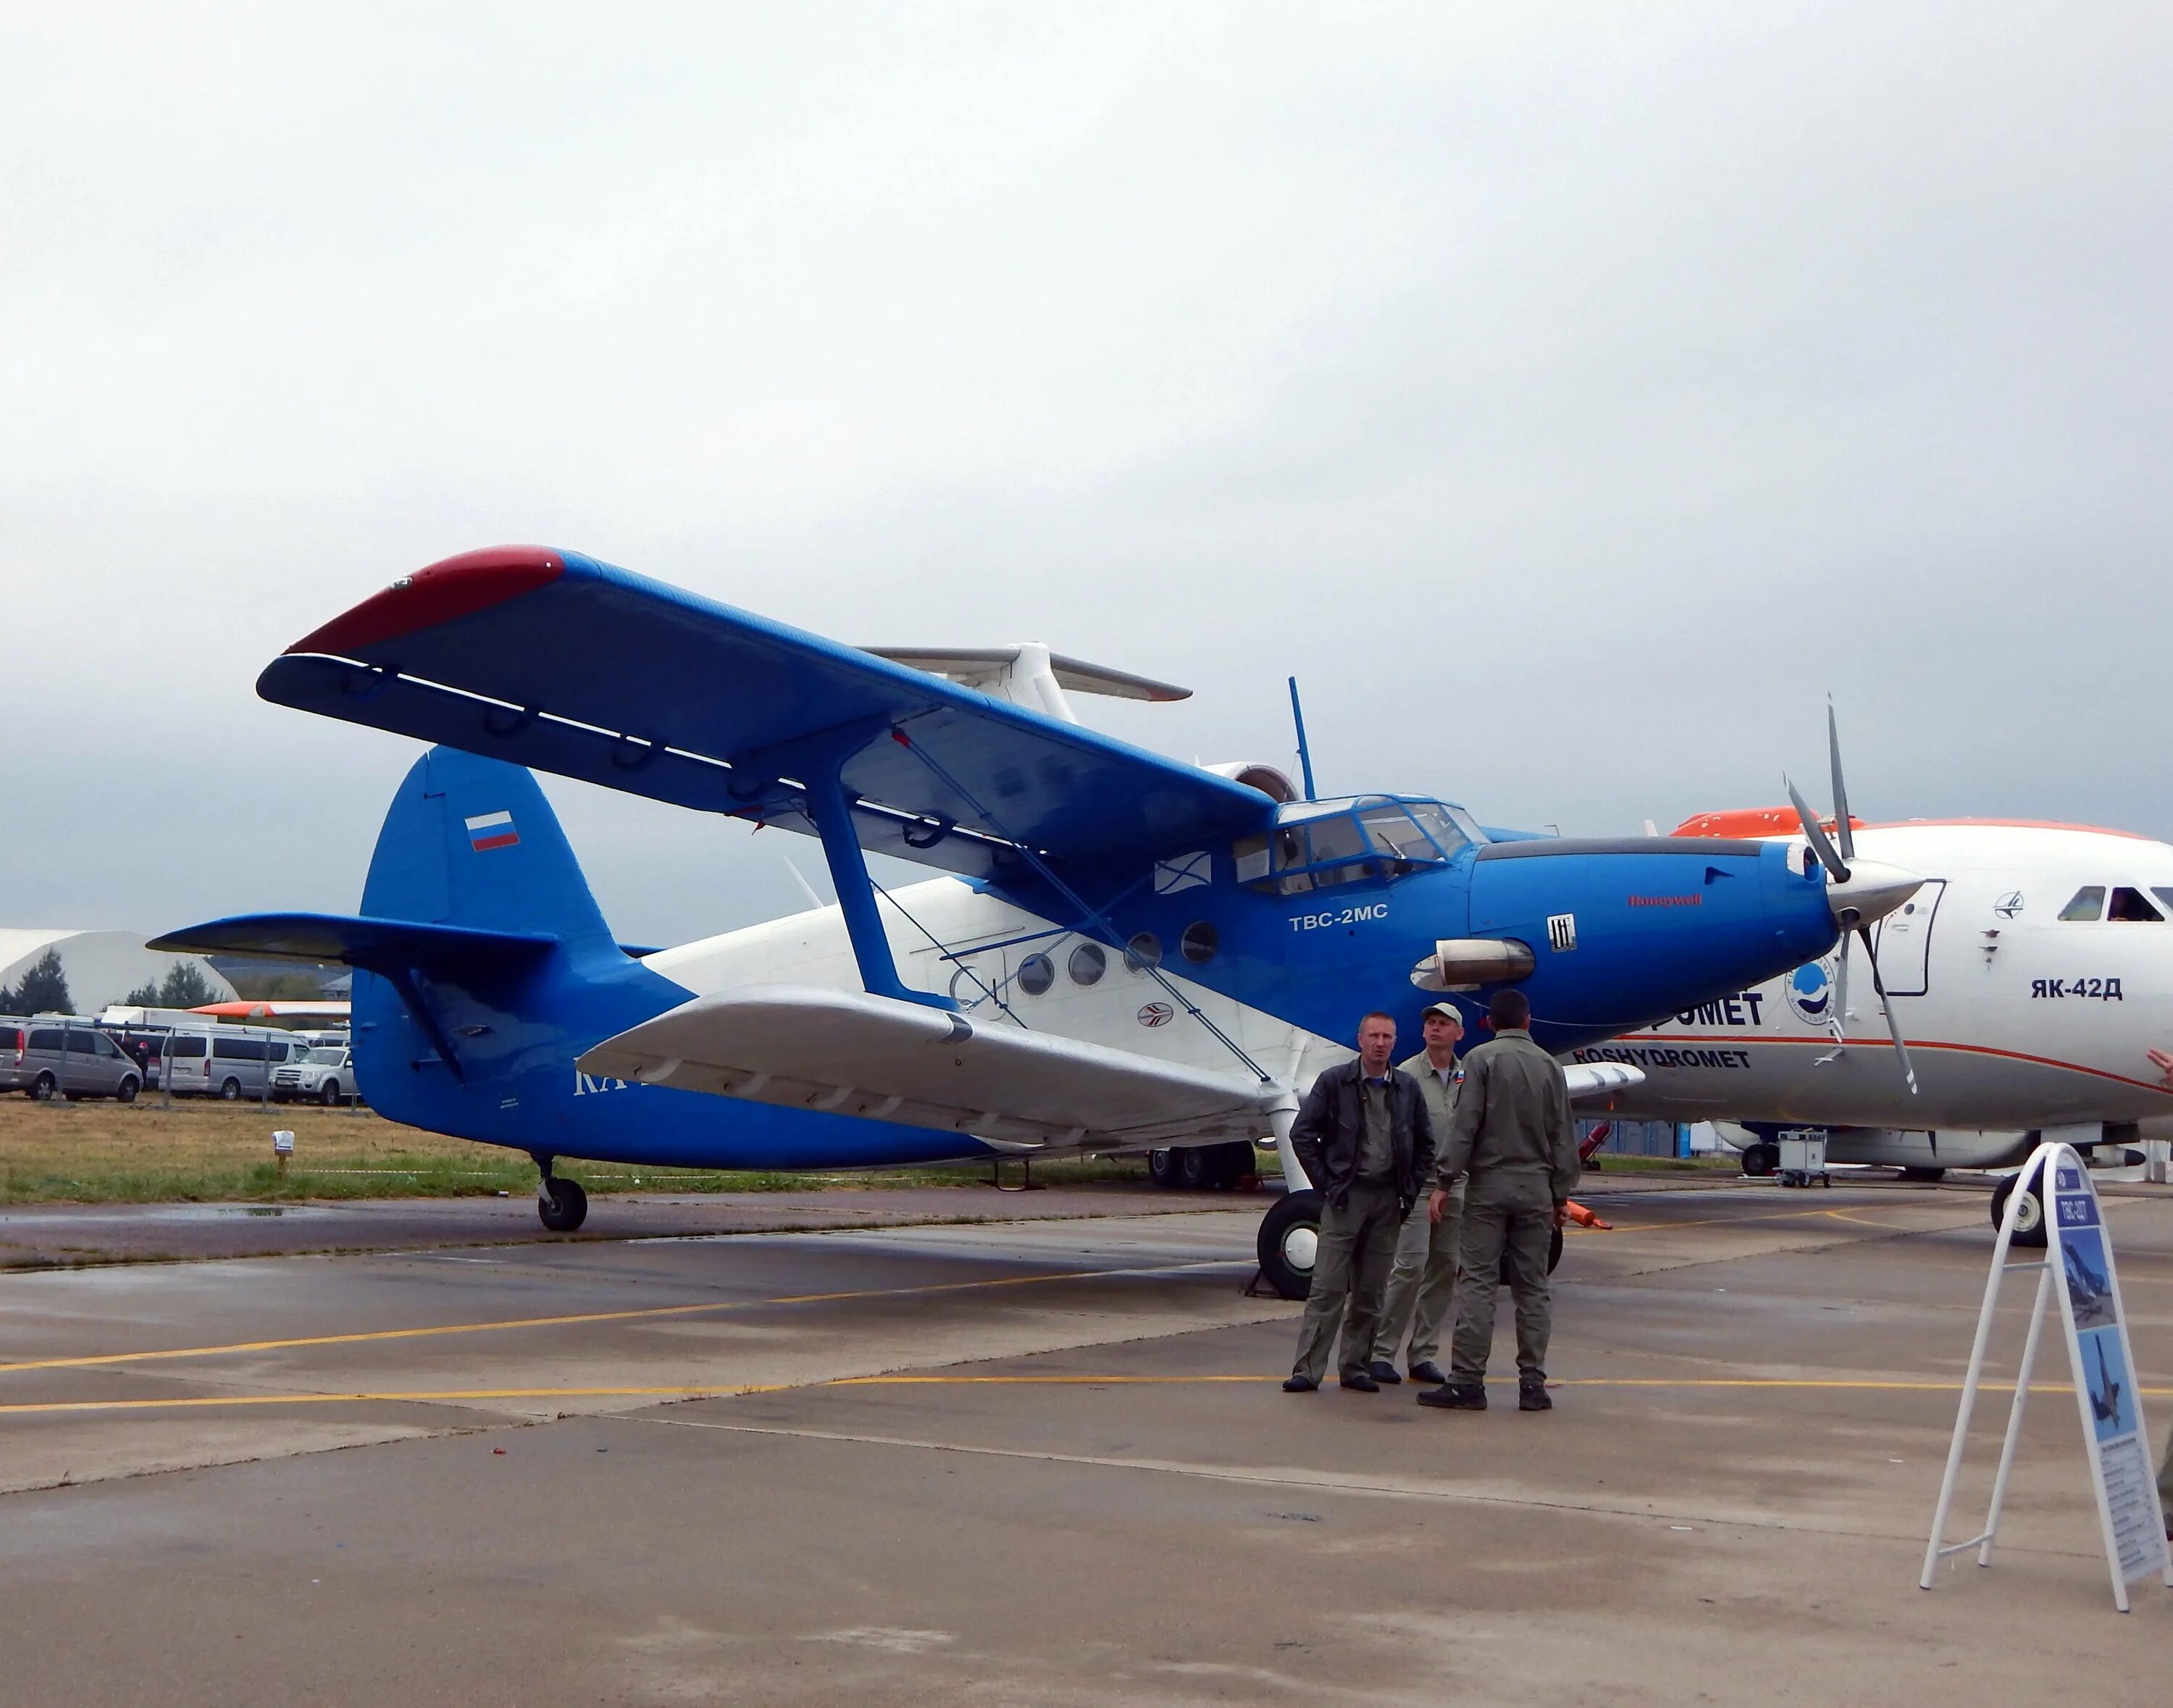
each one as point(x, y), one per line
point(1730, 1164)
point(200, 1152)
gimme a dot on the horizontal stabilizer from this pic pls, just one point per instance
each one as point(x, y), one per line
point(846, 1053)
point(373, 944)
point(1599, 1079)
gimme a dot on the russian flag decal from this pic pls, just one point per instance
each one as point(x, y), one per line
point(492, 830)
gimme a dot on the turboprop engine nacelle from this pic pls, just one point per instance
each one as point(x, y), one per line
point(1465, 963)
point(1271, 780)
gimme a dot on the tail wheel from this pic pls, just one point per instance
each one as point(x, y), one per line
point(566, 1208)
point(328, 1093)
point(1289, 1239)
point(1162, 1168)
point(129, 1087)
point(2028, 1216)
point(46, 1089)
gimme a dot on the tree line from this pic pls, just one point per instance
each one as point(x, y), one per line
point(45, 989)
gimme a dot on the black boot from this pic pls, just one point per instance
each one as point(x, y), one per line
point(1456, 1396)
point(1532, 1394)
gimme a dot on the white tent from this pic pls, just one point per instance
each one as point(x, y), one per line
point(101, 966)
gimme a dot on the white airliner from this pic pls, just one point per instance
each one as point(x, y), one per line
point(2031, 976)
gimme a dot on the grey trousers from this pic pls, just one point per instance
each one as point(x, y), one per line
point(1357, 1248)
point(1422, 1285)
point(1508, 1216)
point(2165, 1485)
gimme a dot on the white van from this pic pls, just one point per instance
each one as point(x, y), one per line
point(231, 1061)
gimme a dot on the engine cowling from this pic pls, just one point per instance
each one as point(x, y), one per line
point(1271, 780)
point(1465, 963)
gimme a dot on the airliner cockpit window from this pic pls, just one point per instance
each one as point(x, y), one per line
point(2130, 908)
point(2089, 903)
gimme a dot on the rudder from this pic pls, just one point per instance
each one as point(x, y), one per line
point(471, 841)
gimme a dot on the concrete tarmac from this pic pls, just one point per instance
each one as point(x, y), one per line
point(1046, 1461)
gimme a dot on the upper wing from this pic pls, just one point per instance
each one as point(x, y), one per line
point(554, 661)
point(849, 1054)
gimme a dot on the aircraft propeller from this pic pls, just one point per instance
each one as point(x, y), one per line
point(1871, 890)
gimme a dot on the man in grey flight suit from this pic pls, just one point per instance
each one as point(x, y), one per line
point(2166, 1487)
point(1511, 1134)
point(1365, 1142)
point(1423, 1282)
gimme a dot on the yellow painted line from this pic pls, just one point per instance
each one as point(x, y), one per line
point(446, 1396)
point(418, 1397)
point(639, 1314)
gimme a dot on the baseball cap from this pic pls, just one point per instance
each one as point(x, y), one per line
point(1446, 1010)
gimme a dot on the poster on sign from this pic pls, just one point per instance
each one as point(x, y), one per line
point(2079, 1254)
point(2079, 1268)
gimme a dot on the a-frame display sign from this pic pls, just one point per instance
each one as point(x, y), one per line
point(2078, 1266)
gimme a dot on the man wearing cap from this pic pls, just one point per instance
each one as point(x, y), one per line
point(1423, 1281)
point(1364, 1140)
point(1512, 1133)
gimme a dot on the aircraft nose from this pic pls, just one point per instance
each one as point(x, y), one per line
point(1873, 890)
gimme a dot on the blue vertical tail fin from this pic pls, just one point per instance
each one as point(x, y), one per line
point(471, 842)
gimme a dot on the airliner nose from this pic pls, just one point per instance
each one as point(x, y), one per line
point(1872, 891)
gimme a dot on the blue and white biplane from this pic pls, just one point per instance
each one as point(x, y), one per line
point(1123, 953)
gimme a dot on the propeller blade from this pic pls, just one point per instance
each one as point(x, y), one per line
point(1846, 836)
point(1892, 1025)
point(1836, 868)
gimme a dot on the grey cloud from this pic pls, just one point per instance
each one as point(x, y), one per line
point(1570, 400)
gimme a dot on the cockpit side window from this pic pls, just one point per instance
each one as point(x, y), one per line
point(2089, 903)
point(2131, 908)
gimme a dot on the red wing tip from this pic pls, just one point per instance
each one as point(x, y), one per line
point(451, 588)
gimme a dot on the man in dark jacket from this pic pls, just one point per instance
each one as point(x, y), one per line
point(1363, 1138)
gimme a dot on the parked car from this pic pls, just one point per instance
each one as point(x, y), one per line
point(325, 1074)
point(227, 1061)
point(51, 1058)
point(146, 1046)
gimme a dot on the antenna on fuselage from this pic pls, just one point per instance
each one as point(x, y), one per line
point(1304, 752)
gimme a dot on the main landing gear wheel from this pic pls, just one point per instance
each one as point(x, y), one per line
point(1201, 1167)
point(2029, 1218)
point(1761, 1159)
point(566, 1208)
point(1289, 1239)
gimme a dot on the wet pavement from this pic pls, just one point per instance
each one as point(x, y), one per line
point(1043, 1462)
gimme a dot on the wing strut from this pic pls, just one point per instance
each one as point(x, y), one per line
point(831, 806)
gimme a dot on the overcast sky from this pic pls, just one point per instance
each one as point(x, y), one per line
point(1571, 396)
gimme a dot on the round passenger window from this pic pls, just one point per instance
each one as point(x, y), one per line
point(1199, 941)
point(1036, 973)
point(1087, 963)
point(1143, 950)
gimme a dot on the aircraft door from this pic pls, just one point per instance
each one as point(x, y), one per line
point(1903, 941)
